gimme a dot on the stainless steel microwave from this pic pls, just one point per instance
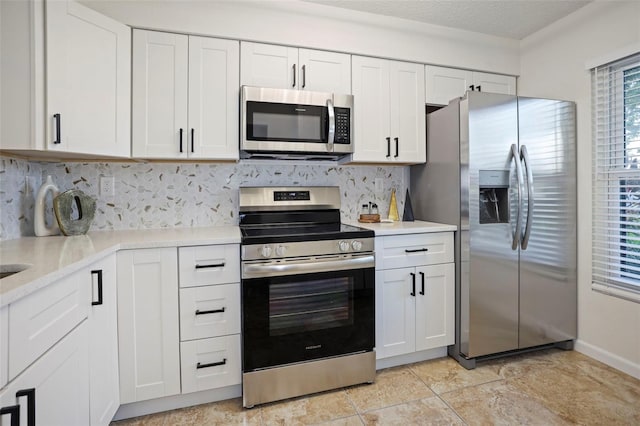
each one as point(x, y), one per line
point(279, 123)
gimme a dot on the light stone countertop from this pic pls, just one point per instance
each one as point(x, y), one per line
point(52, 258)
point(403, 228)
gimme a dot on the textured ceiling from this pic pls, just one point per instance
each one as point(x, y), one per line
point(514, 19)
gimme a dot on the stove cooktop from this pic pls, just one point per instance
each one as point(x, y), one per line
point(286, 232)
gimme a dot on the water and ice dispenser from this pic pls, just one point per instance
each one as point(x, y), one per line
point(494, 196)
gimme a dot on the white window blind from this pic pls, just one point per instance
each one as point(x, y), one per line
point(616, 178)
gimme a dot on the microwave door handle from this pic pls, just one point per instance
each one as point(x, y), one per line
point(332, 125)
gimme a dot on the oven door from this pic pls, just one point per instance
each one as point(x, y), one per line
point(306, 310)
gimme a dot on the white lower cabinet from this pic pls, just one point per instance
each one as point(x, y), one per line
point(55, 388)
point(103, 341)
point(148, 327)
point(414, 302)
point(210, 363)
point(178, 320)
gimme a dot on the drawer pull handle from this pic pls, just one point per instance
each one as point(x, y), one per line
point(99, 274)
point(213, 311)
point(416, 250)
point(13, 412)
point(31, 404)
point(213, 265)
point(212, 364)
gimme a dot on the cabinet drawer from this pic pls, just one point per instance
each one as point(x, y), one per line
point(401, 251)
point(209, 311)
point(38, 321)
point(205, 265)
point(223, 353)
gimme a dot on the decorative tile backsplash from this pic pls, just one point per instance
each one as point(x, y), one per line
point(175, 195)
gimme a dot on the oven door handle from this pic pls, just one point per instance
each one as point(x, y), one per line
point(261, 270)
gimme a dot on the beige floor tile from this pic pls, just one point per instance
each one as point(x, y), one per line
point(149, 420)
point(318, 408)
point(445, 374)
point(429, 411)
point(498, 403)
point(346, 421)
point(578, 398)
point(392, 386)
point(519, 365)
point(617, 382)
point(228, 412)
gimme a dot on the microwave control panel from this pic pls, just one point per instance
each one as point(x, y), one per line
point(343, 125)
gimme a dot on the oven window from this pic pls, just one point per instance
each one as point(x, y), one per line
point(310, 305)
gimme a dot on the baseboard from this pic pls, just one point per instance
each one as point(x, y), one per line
point(166, 403)
point(394, 361)
point(608, 358)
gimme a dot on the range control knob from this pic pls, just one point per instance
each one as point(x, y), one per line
point(280, 251)
point(266, 251)
point(343, 245)
point(357, 245)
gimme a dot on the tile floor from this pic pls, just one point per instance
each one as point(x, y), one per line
point(552, 387)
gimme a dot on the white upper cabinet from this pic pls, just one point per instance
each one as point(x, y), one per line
point(88, 81)
point(78, 99)
point(282, 67)
point(494, 83)
point(389, 111)
point(444, 84)
point(185, 96)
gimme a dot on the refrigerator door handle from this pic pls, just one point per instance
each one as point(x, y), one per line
point(530, 199)
point(516, 235)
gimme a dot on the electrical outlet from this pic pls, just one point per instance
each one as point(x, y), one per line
point(379, 185)
point(107, 186)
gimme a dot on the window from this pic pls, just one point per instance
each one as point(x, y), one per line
point(616, 178)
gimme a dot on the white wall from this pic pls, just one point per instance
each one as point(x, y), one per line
point(296, 23)
point(552, 65)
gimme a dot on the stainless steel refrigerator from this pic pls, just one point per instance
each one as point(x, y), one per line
point(502, 168)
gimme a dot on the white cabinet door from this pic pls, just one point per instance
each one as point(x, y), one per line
point(148, 327)
point(444, 84)
point(159, 97)
point(103, 341)
point(371, 109)
point(283, 67)
point(408, 126)
point(494, 83)
point(435, 308)
point(266, 65)
point(88, 81)
point(395, 313)
point(323, 71)
point(60, 379)
point(213, 98)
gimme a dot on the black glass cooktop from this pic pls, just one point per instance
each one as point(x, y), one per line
point(288, 232)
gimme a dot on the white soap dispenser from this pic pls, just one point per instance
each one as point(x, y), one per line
point(40, 227)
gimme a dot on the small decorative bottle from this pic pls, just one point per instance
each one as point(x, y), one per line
point(393, 207)
point(40, 227)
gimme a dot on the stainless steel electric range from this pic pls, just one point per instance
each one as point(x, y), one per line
point(308, 294)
